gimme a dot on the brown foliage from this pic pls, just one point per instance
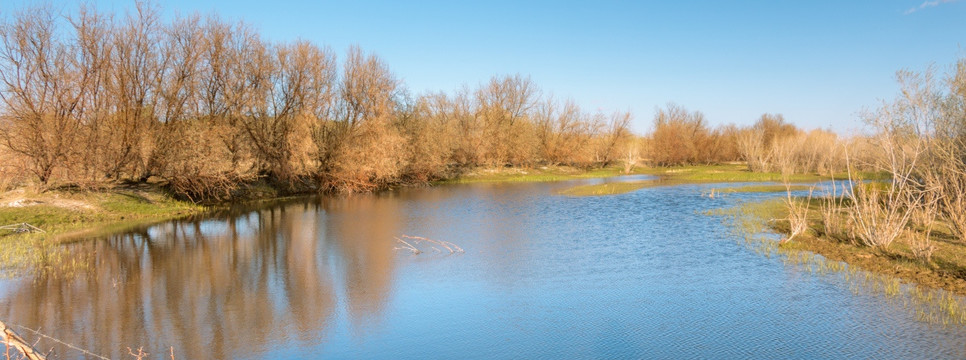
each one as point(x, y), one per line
point(679, 137)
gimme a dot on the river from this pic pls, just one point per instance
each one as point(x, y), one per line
point(647, 274)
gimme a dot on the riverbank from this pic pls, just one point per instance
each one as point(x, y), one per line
point(944, 269)
point(65, 214)
point(69, 210)
point(70, 213)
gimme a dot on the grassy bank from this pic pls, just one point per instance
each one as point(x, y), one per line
point(946, 269)
point(925, 291)
point(63, 215)
point(66, 213)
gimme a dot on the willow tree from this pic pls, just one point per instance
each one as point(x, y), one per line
point(45, 83)
point(357, 147)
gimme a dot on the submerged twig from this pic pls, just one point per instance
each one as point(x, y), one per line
point(408, 246)
point(416, 240)
point(446, 244)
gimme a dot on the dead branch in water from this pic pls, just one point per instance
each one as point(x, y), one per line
point(11, 339)
point(38, 333)
point(140, 354)
point(22, 228)
point(408, 246)
point(416, 240)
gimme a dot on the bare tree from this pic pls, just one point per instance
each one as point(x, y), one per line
point(611, 141)
point(944, 170)
point(505, 104)
point(286, 83)
point(359, 149)
point(680, 137)
point(563, 133)
point(94, 34)
point(45, 82)
point(178, 100)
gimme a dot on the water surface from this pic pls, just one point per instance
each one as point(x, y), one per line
point(639, 275)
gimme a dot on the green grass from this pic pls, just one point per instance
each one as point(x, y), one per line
point(604, 189)
point(65, 215)
point(93, 209)
point(542, 174)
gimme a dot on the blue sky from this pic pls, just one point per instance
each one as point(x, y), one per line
point(820, 63)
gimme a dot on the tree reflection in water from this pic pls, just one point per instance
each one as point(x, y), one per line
point(221, 287)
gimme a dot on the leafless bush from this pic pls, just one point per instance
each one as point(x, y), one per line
point(821, 152)
point(632, 151)
point(204, 187)
point(881, 211)
point(771, 139)
point(797, 209)
point(429, 137)
point(944, 170)
point(751, 144)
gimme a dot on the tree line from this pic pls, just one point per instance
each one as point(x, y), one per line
point(206, 105)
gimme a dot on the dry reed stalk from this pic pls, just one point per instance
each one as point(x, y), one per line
point(924, 217)
point(830, 208)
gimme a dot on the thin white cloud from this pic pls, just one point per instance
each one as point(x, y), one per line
point(928, 4)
